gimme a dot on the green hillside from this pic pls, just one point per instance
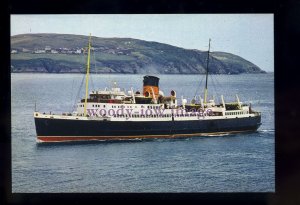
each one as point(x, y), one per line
point(117, 55)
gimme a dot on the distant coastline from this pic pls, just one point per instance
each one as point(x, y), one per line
point(65, 53)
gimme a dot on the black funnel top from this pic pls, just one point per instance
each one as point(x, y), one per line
point(151, 80)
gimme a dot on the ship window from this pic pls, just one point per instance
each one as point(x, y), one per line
point(103, 105)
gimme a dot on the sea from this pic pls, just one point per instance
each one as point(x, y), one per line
point(213, 163)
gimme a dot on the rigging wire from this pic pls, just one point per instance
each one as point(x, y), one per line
point(213, 80)
point(71, 107)
point(83, 57)
point(204, 76)
point(92, 82)
point(198, 87)
point(79, 92)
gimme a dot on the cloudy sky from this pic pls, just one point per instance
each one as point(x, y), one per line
point(250, 36)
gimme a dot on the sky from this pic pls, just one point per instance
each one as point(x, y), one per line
point(250, 36)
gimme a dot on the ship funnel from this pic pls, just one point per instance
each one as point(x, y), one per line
point(150, 86)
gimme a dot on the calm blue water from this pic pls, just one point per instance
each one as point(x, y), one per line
point(232, 163)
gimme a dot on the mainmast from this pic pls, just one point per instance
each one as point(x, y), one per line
point(205, 91)
point(87, 76)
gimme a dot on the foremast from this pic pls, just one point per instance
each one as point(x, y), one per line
point(87, 76)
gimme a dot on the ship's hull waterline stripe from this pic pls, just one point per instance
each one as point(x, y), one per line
point(84, 138)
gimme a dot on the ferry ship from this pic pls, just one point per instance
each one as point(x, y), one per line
point(113, 114)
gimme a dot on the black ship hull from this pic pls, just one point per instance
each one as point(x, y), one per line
point(55, 130)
